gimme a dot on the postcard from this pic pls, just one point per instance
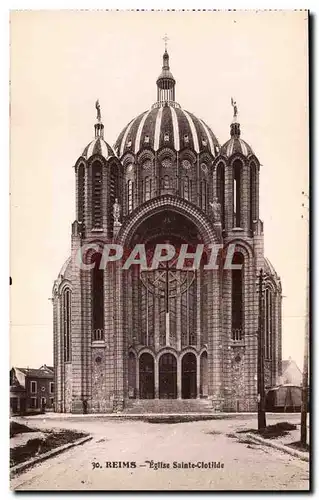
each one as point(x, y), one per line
point(159, 250)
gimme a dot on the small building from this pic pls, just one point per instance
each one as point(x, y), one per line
point(31, 389)
point(291, 373)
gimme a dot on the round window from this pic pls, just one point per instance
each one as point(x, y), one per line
point(186, 164)
point(98, 360)
point(204, 167)
point(166, 163)
point(147, 164)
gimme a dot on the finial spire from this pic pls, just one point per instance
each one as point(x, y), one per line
point(99, 127)
point(165, 82)
point(165, 38)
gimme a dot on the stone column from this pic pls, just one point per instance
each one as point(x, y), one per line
point(179, 378)
point(198, 309)
point(250, 335)
point(118, 351)
point(216, 331)
point(109, 309)
point(137, 383)
point(156, 378)
point(86, 288)
point(156, 323)
point(225, 347)
point(59, 356)
point(76, 328)
point(198, 376)
point(178, 320)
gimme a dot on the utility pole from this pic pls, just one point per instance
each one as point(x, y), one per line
point(304, 400)
point(261, 356)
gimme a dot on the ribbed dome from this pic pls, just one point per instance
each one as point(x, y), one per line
point(235, 144)
point(98, 147)
point(166, 126)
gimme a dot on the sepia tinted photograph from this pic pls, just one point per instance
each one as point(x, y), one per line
point(159, 211)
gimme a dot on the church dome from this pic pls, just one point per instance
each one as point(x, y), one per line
point(98, 147)
point(166, 124)
point(235, 144)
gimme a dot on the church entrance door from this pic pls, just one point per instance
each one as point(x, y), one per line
point(189, 390)
point(167, 376)
point(146, 376)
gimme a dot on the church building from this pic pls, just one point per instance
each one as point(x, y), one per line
point(139, 338)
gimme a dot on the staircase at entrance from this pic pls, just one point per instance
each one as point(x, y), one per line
point(181, 406)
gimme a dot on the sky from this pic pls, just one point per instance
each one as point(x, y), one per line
point(62, 61)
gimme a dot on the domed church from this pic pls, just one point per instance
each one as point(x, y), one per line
point(135, 339)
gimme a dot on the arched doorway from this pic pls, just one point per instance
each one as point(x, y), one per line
point(189, 389)
point(146, 367)
point(167, 376)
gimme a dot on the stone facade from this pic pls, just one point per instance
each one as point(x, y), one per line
point(121, 335)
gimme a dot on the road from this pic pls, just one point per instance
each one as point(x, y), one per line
point(246, 466)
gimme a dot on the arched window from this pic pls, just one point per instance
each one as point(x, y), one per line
point(237, 177)
point(97, 194)
point(220, 186)
point(97, 298)
point(114, 193)
point(203, 194)
point(188, 314)
point(237, 298)
point(66, 315)
point(147, 188)
point(81, 193)
point(253, 195)
point(146, 306)
point(268, 323)
point(129, 195)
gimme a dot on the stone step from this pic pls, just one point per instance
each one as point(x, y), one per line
point(168, 406)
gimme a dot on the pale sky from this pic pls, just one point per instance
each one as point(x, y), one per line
point(62, 61)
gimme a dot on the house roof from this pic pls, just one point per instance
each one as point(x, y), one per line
point(47, 367)
point(285, 364)
point(36, 372)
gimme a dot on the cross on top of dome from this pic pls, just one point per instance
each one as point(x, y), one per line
point(165, 38)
